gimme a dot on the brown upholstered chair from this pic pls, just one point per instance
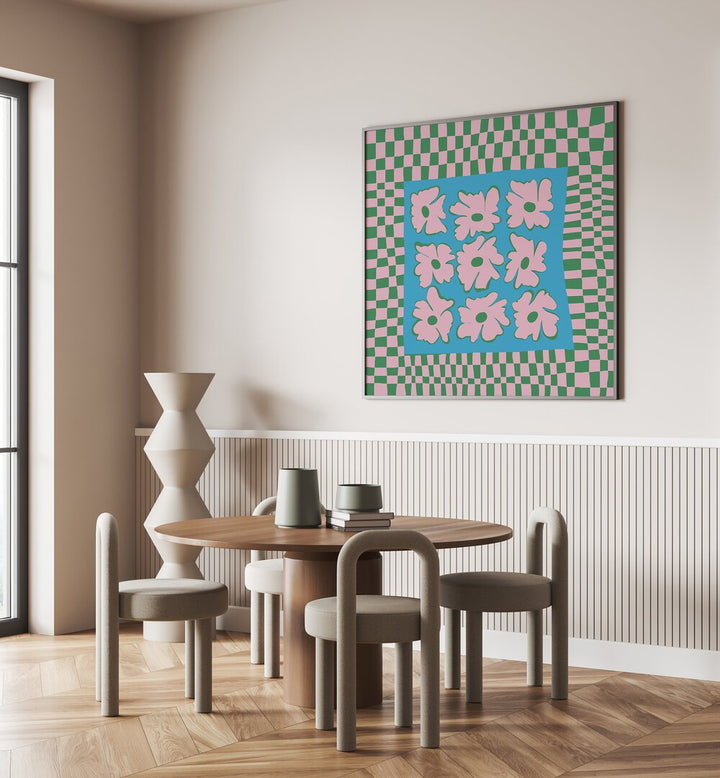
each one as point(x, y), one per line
point(374, 618)
point(196, 602)
point(497, 592)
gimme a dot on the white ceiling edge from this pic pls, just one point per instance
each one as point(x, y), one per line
point(144, 11)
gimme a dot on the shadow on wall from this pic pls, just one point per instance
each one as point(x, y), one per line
point(267, 410)
point(252, 407)
point(264, 410)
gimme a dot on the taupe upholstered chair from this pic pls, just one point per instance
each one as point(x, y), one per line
point(196, 602)
point(497, 592)
point(374, 618)
point(264, 581)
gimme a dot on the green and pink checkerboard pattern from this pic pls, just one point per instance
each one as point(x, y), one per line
point(581, 139)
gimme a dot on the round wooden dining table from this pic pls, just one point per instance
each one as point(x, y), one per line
point(310, 569)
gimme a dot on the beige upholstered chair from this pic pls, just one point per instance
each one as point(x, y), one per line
point(373, 618)
point(196, 602)
point(496, 592)
point(264, 581)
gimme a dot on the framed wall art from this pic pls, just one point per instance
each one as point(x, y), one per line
point(490, 255)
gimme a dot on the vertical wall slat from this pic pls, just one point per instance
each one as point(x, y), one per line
point(709, 552)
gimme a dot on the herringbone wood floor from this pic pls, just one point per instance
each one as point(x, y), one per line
point(613, 723)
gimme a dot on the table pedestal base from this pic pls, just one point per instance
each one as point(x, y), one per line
point(309, 576)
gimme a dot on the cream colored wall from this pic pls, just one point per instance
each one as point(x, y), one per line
point(251, 229)
point(84, 303)
point(251, 239)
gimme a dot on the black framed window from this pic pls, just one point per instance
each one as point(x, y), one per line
point(13, 356)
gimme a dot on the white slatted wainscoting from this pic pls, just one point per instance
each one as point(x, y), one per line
point(642, 517)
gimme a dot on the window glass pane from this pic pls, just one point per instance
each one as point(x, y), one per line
point(14, 346)
point(6, 179)
point(7, 309)
point(7, 524)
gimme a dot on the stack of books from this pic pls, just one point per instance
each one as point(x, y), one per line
point(349, 521)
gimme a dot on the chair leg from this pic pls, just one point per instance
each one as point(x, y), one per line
point(272, 636)
point(110, 643)
point(257, 619)
point(403, 684)
point(99, 667)
point(534, 648)
point(203, 666)
point(110, 694)
point(473, 656)
point(189, 659)
point(346, 695)
point(98, 618)
point(430, 688)
point(452, 649)
point(324, 683)
point(559, 650)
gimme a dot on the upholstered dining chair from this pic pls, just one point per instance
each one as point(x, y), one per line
point(498, 592)
point(196, 602)
point(264, 581)
point(350, 618)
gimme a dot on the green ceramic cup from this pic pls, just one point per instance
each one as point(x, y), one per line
point(358, 497)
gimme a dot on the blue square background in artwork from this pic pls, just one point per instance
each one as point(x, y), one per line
point(443, 231)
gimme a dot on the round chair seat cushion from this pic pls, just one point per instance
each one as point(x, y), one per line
point(380, 618)
point(171, 599)
point(494, 592)
point(264, 576)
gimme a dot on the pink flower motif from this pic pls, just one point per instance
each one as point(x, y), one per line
point(433, 263)
point(533, 317)
point(426, 211)
point(525, 262)
point(476, 261)
point(483, 317)
point(527, 203)
point(434, 317)
point(475, 213)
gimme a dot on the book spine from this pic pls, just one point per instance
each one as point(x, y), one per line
point(354, 528)
point(359, 515)
point(358, 524)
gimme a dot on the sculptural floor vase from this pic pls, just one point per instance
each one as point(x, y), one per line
point(179, 449)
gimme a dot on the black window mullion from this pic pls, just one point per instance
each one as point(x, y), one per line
point(15, 456)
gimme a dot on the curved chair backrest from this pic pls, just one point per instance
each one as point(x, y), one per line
point(268, 505)
point(106, 600)
point(382, 540)
point(265, 506)
point(106, 550)
point(558, 538)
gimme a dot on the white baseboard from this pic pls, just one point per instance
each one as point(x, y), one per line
point(606, 655)
point(596, 654)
